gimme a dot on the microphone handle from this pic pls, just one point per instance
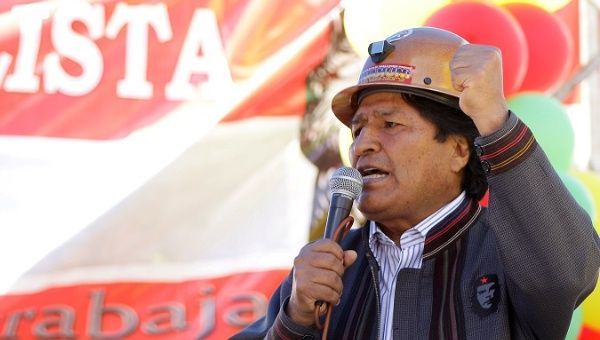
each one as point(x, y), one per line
point(338, 224)
point(339, 209)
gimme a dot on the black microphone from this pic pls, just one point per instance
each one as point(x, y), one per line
point(345, 185)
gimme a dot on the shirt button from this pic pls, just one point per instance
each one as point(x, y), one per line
point(486, 166)
point(479, 150)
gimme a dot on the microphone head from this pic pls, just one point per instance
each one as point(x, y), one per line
point(346, 181)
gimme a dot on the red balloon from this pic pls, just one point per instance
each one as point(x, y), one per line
point(481, 23)
point(588, 333)
point(550, 45)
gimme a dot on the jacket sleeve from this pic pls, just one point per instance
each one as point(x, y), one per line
point(546, 242)
point(276, 324)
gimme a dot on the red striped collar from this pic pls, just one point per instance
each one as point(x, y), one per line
point(452, 227)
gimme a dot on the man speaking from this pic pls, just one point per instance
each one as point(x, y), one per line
point(431, 132)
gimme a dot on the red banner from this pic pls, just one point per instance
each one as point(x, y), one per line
point(101, 70)
point(105, 69)
point(208, 309)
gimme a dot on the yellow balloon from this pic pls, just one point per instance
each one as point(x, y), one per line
point(591, 306)
point(549, 5)
point(591, 310)
point(591, 180)
point(367, 21)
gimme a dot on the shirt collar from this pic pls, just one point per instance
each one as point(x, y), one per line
point(418, 233)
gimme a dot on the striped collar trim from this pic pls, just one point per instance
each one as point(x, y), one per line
point(452, 227)
point(418, 233)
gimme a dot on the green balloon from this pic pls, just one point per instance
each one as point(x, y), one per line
point(579, 192)
point(575, 326)
point(548, 120)
point(591, 181)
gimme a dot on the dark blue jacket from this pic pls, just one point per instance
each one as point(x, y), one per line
point(515, 271)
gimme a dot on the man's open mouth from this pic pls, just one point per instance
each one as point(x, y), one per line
point(372, 173)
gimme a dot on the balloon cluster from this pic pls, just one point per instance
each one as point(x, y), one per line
point(539, 53)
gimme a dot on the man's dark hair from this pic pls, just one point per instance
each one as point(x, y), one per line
point(452, 121)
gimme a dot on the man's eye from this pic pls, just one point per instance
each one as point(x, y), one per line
point(356, 132)
point(390, 124)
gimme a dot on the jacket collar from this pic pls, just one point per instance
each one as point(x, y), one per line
point(446, 231)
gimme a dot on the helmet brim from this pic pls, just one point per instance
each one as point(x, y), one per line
point(345, 102)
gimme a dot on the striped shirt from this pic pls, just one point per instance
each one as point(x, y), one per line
point(392, 258)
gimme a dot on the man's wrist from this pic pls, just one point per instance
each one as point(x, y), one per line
point(287, 328)
point(302, 319)
point(487, 124)
point(505, 148)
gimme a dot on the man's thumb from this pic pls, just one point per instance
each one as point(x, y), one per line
point(349, 257)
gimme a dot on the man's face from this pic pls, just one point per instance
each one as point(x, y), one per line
point(485, 294)
point(407, 173)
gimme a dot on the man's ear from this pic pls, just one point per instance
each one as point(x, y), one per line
point(461, 151)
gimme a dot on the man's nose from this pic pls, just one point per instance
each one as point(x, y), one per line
point(365, 142)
